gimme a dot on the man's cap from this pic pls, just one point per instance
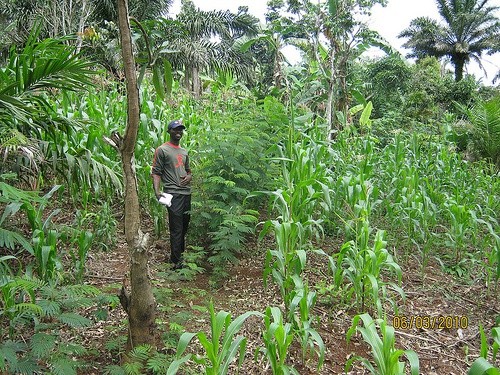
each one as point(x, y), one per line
point(175, 124)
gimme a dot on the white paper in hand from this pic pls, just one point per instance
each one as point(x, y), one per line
point(166, 199)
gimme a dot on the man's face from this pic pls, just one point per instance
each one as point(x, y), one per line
point(176, 133)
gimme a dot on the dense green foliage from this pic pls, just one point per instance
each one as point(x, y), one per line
point(412, 175)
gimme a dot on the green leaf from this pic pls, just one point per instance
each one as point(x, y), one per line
point(8, 357)
point(63, 366)
point(364, 120)
point(74, 320)
point(158, 82)
point(176, 364)
point(42, 344)
point(237, 348)
point(414, 362)
point(184, 341)
point(332, 7)
point(169, 80)
point(10, 239)
point(482, 367)
point(25, 366)
point(114, 370)
point(484, 342)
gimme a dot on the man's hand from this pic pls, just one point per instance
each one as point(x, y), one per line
point(186, 180)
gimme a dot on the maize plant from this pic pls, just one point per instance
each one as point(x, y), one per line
point(221, 349)
point(385, 356)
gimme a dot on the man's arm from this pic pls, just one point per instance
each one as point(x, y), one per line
point(186, 180)
point(157, 185)
point(156, 170)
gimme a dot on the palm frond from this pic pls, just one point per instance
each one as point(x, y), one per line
point(485, 120)
point(64, 366)
point(47, 64)
point(11, 240)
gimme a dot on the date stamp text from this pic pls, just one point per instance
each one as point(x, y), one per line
point(430, 322)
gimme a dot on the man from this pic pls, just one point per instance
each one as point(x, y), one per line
point(172, 175)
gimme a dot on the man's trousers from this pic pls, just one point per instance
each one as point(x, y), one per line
point(178, 222)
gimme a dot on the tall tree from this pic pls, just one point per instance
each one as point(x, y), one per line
point(471, 28)
point(57, 18)
point(139, 303)
point(335, 38)
point(267, 47)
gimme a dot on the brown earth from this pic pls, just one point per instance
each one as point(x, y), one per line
point(182, 306)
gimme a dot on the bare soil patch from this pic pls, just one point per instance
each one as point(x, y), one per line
point(429, 293)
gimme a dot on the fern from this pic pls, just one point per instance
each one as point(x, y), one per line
point(141, 352)
point(110, 300)
point(133, 368)
point(22, 313)
point(8, 356)
point(81, 290)
point(26, 366)
point(63, 366)
point(10, 194)
point(72, 349)
point(158, 364)
point(74, 320)
point(71, 296)
point(42, 344)
point(116, 344)
point(14, 289)
point(50, 308)
point(114, 370)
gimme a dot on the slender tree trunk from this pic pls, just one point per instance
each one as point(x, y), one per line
point(459, 64)
point(139, 303)
point(277, 74)
point(196, 87)
point(342, 102)
point(84, 14)
point(331, 116)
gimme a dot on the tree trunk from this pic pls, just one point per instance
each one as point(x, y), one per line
point(197, 90)
point(139, 303)
point(84, 15)
point(342, 100)
point(331, 116)
point(459, 64)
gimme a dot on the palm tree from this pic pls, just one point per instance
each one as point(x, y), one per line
point(267, 47)
point(484, 128)
point(470, 29)
point(204, 42)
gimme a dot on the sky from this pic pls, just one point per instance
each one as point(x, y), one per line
point(389, 21)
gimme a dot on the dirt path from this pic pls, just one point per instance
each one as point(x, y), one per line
point(181, 305)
